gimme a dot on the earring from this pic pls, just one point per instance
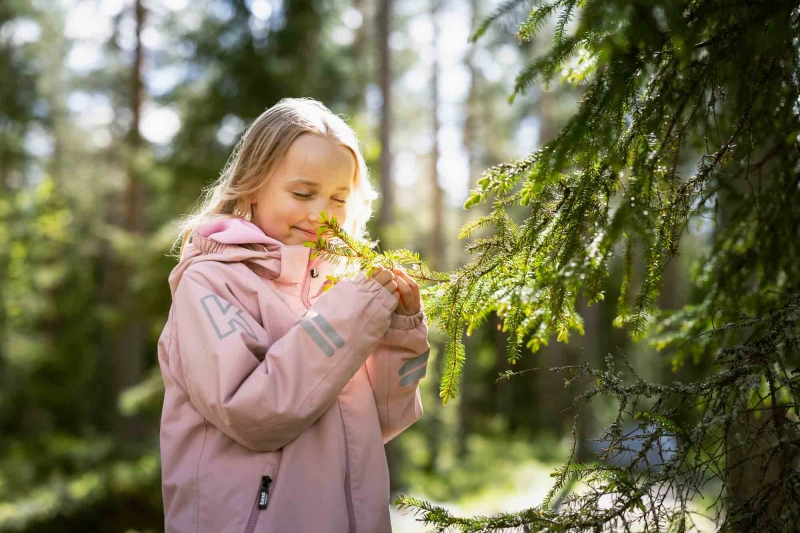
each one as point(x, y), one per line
point(247, 215)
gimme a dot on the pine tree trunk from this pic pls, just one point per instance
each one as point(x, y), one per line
point(128, 357)
point(5, 190)
point(592, 348)
point(363, 45)
point(501, 392)
point(436, 251)
point(749, 473)
point(551, 396)
point(394, 450)
point(386, 216)
point(465, 408)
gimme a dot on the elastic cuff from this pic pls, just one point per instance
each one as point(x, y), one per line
point(405, 322)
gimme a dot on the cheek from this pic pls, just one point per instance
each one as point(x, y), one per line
point(280, 211)
point(339, 211)
point(292, 207)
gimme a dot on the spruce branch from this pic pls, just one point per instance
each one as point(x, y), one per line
point(336, 245)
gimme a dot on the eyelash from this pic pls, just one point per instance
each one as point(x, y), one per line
point(307, 196)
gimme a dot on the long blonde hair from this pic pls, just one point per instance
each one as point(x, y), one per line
point(261, 147)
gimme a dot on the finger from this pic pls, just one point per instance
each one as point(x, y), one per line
point(391, 286)
point(409, 280)
point(405, 291)
point(412, 300)
point(383, 277)
point(377, 269)
point(400, 273)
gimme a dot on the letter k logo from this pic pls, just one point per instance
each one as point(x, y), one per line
point(222, 312)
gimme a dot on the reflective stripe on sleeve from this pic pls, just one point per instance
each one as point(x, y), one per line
point(414, 362)
point(328, 330)
point(414, 376)
point(317, 338)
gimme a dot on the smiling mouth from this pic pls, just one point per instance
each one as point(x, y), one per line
point(307, 232)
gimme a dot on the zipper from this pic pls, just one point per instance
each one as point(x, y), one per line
point(262, 500)
point(348, 492)
point(263, 494)
point(306, 287)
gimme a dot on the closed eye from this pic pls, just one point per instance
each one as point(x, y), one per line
point(307, 196)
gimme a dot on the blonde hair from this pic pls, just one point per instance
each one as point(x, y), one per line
point(261, 147)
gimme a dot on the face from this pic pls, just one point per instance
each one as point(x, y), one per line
point(316, 174)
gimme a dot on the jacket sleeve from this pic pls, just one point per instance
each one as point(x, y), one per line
point(395, 369)
point(263, 394)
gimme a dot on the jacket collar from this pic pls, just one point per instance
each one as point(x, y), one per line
point(236, 239)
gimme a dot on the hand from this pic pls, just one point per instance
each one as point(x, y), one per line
point(385, 278)
point(409, 304)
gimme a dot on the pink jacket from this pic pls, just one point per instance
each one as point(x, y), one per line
point(279, 398)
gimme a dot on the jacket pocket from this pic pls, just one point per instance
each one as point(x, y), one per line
point(262, 500)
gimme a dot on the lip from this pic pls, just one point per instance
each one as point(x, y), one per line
point(312, 234)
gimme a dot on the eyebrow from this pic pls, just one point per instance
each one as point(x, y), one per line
point(314, 184)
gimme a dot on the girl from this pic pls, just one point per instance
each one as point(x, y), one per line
point(279, 397)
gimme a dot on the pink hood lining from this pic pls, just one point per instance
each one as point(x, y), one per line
point(235, 231)
point(221, 239)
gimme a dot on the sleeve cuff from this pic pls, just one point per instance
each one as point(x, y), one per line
point(404, 322)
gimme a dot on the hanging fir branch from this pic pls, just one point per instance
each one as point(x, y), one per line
point(689, 120)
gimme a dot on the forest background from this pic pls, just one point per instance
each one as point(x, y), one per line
point(114, 114)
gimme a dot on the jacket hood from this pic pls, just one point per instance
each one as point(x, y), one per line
point(234, 239)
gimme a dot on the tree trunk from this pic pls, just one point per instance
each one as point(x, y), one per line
point(386, 216)
point(551, 395)
point(592, 350)
point(394, 450)
point(363, 61)
point(437, 250)
point(128, 357)
point(465, 407)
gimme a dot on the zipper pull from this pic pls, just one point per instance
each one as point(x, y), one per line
point(263, 495)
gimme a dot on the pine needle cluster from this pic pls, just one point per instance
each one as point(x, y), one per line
point(354, 255)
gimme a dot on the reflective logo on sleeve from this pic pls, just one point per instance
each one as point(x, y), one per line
point(225, 314)
point(421, 362)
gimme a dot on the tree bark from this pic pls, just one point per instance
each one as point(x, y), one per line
point(386, 215)
point(465, 407)
point(128, 356)
point(437, 249)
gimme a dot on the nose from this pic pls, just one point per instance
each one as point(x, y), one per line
point(330, 207)
point(314, 218)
